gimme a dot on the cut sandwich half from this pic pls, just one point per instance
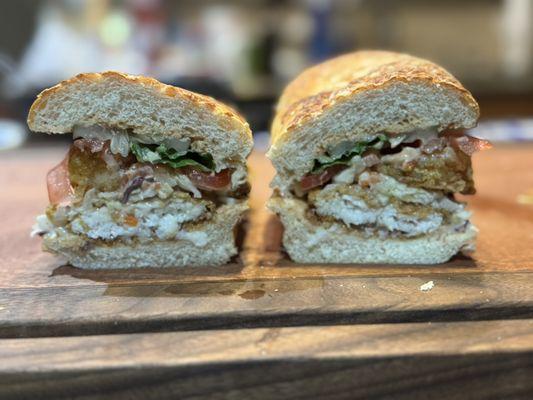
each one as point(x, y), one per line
point(369, 150)
point(156, 175)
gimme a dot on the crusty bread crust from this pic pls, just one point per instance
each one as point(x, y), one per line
point(353, 97)
point(228, 116)
point(146, 107)
point(337, 80)
point(309, 242)
point(159, 254)
point(216, 248)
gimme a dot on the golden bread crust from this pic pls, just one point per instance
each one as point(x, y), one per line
point(227, 117)
point(320, 87)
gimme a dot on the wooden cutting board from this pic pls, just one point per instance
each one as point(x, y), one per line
point(368, 328)
point(40, 296)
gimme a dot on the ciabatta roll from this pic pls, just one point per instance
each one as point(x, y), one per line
point(156, 175)
point(369, 149)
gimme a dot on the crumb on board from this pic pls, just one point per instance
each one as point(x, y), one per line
point(426, 287)
point(525, 198)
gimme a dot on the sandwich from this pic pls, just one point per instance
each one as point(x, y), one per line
point(156, 175)
point(370, 150)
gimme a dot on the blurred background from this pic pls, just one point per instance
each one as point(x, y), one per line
point(244, 52)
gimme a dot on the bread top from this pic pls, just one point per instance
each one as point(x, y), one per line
point(143, 106)
point(358, 95)
point(321, 87)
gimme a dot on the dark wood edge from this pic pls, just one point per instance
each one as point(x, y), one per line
point(437, 360)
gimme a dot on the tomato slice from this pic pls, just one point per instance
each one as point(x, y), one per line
point(209, 181)
point(311, 181)
point(58, 183)
point(469, 145)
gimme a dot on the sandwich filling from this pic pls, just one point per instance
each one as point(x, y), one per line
point(115, 186)
point(398, 186)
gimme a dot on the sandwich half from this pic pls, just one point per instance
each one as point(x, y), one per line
point(156, 175)
point(369, 150)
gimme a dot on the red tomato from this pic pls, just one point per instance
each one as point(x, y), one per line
point(469, 145)
point(209, 180)
point(58, 183)
point(311, 181)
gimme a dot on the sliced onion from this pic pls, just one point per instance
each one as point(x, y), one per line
point(396, 140)
point(120, 143)
point(135, 183)
point(407, 154)
point(109, 159)
point(433, 145)
point(371, 159)
point(92, 145)
point(185, 183)
point(139, 169)
point(180, 145)
point(340, 149)
point(91, 132)
point(421, 134)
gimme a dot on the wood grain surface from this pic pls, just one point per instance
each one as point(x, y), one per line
point(474, 360)
point(40, 296)
point(320, 331)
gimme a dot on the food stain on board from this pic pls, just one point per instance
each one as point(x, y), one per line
point(168, 283)
point(252, 294)
point(245, 289)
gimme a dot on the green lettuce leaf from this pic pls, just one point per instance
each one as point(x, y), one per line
point(326, 161)
point(162, 154)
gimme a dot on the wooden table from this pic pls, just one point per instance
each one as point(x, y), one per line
point(262, 326)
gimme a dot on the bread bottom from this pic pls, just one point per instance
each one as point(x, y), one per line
point(309, 241)
point(214, 245)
